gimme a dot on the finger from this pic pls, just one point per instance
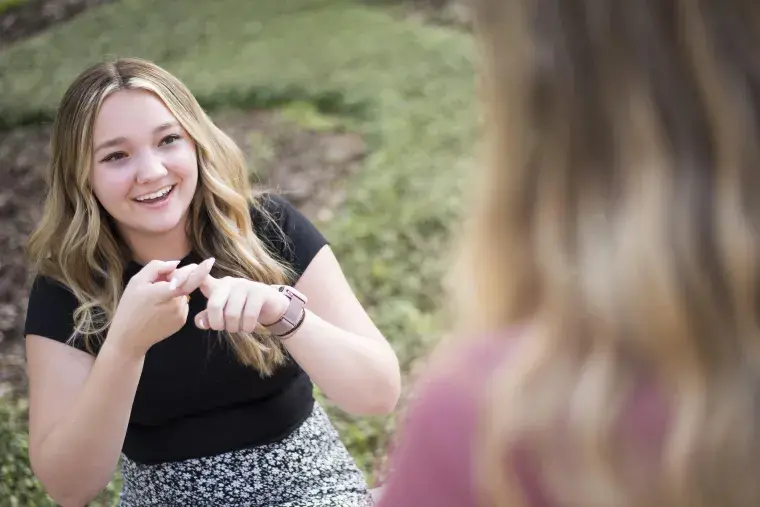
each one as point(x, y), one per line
point(180, 275)
point(233, 310)
point(207, 285)
point(201, 319)
point(163, 292)
point(198, 276)
point(250, 317)
point(154, 270)
point(184, 306)
point(175, 285)
point(179, 284)
point(216, 303)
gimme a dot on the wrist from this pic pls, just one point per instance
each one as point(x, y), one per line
point(280, 303)
point(293, 314)
point(117, 345)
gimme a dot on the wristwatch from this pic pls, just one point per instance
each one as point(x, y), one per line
point(293, 317)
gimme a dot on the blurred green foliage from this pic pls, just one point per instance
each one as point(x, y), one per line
point(407, 87)
point(18, 486)
point(16, 482)
point(7, 4)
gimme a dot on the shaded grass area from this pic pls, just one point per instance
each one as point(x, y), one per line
point(407, 88)
point(8, 4)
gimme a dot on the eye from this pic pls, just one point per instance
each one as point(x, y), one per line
point(171, 138)
point(114, 157)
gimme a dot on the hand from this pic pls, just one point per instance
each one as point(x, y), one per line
point(237, 304)
point(151, 308)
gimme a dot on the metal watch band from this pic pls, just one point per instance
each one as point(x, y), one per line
point(293, 315)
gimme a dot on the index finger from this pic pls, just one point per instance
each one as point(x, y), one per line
point(197, 276)
point(154, 269)
point(180, 275)
point(166, 292)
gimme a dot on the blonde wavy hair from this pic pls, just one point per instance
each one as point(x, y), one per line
point(75, 242)
point(618, 220)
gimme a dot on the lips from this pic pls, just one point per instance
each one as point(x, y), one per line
point(157, 196)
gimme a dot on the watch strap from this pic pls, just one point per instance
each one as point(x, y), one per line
point(293, 316)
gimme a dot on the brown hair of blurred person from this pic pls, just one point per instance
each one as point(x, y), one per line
point(618, 221)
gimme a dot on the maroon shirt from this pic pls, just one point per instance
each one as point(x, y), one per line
point(432, 463)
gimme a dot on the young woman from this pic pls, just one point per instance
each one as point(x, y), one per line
point(177, 322)
point(611, 290)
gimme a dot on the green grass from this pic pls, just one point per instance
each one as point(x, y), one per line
point(407, 88)
point(9, 4)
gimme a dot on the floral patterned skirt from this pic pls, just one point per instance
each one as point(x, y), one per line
point(309, 468)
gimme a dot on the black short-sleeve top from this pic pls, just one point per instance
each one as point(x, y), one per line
point(194, 398)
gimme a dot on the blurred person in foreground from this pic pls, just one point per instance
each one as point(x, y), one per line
point(608, 352)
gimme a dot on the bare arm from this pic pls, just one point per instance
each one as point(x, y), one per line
point(80, 406)
point(340, 347)
point(78, 415)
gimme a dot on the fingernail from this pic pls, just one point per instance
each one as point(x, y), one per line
point(172, 283)
point(202, 323)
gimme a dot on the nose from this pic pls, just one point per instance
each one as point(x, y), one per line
point(150, 168)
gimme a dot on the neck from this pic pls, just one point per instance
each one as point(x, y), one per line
point(168, 246)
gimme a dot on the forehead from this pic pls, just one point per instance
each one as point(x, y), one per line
point(129, 114)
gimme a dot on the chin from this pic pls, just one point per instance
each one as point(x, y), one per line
point(155, 220)
point(156, 225)
point(158, 229)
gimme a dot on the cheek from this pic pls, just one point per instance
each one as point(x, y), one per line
point(110, 186)
point(185, 165)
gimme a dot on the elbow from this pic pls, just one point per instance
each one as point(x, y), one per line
point(71, 501)
point(384, 405)
point(389, 391)
point(67, 497)
point(382, 398)
point(388, 396)
point(376, 406)
point(63, 492)
point(63, 495)
point(373, 392)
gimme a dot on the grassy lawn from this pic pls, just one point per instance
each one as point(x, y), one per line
point(407, 88)
point(7, 4)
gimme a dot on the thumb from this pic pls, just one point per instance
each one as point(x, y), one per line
point(155, 270)
point(201, 319)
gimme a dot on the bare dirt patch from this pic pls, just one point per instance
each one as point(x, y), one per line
point(30, 17)
point(307, 166)
point(451, 13)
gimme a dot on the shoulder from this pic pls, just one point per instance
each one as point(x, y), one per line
point(45, 289)
point(286, 231)
point(50, 309)
point(458, 375)
point(432, 460)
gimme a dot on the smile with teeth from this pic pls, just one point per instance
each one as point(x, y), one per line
point(155, 196)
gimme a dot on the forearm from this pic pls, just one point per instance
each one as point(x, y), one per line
point(78, 457)
point(360, 374)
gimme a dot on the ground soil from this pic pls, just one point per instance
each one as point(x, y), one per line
point(309, 167)
point(451, 13)
point(33, 16)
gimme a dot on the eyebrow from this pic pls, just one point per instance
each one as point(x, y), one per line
point(118, 140)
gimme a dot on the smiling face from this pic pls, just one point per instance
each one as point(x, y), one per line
point(144, 167)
